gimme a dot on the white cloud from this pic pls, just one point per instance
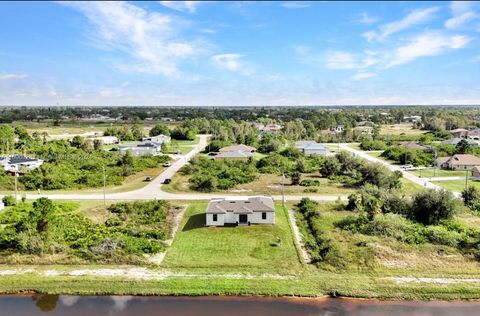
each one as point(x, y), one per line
point(12, 76)
point(427, 44)
point(147, 37)
point(295, 4)
point(340, 60)
point(416, 17)
point(232, 62)
point(182, 6)
point(366, 19)
point(462, 13)
point(363, 75)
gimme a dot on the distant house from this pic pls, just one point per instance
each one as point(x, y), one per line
point(456, 140)
point(241, 147)
point(458, 162)
point(338, 128)
point(238, 155)
point(412, 119)
point(476, 172)
point(412, 145)
point(310, 148)
point(19, 163)
point(364, 129)
point(158, 139)
point(474, 134)
point(240, 211)
point(269, 128)
point(142, 149)
point(459, 133)
point(108, 140)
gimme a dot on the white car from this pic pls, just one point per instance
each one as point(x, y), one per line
point(406, 167)
point(167, 164)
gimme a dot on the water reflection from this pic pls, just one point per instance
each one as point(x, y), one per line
point(53, 305)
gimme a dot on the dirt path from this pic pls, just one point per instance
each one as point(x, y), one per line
point(298, 237)
point(402, 280)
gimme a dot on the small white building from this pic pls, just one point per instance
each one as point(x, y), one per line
point(19, 163)
point(241, 210)
point(158, 139)
point(142, 149)
point(107, 140)
point(311, 148)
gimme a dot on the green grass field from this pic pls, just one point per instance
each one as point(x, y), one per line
point(428, 173)
point(458, 185)
point(239, 249)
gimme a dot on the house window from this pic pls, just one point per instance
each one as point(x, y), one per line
point(215, 217)
point(264, 215)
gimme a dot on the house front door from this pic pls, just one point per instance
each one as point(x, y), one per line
point(243, 218)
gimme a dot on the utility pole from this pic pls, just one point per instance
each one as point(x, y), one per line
point(104, 189)
point(435, 163)
point(16, 186)
point(466, 179)
point(283, 189)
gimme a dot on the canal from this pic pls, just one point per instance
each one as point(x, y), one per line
point(33, 305)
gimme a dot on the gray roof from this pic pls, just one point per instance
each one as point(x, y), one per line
point(234, 154)
point(247, 204)
point(19, 159)
point(303, 143)
point(240, 147)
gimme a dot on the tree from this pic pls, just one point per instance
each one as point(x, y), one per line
point(462, 147)
point(471, 198)
point(77, 141)
point(43, 209)
point(296, 178)
point(98, 144)
point(158, 129)
point(7, 138)
point(429, 207)
point(127, 159)
point(9, 200)
point(330, 167)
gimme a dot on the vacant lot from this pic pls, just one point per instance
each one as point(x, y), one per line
point(458, 185)
point(400, 129)
point(240, 249)
point(429, 173)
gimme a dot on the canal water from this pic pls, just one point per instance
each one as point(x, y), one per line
point(18, 305)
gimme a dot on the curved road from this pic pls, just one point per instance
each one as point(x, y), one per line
point(153, 189)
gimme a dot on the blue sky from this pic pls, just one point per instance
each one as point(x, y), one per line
point(239, 53)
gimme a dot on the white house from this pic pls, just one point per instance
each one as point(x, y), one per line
point(108, 140)
point(142, 149)
point(19, 163)
point(241, 210)
point(312, 148)
point(158, 139)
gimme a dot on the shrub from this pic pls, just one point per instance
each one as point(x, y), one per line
point(310, 183)
point(429, 207)
point(9, 200)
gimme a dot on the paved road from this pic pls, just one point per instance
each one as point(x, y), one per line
point(153, 189)
point(424, 182)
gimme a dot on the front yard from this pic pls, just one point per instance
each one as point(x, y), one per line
point(234, 249)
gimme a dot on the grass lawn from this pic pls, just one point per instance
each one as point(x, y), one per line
point(458, 185)
point(400, 129)
point(428, 173)
point(240, 249)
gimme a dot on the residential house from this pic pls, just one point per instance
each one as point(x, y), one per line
point(108, 140)
point(474, 134)
point(456, 140)
point(142, 149)
point(476, 172)
point(241, 147)
point(234, 155)
point(412, 119)
point(459, 133)
point(412, 145)
point(19, 164)
point(338, 128)
point(239, 210)
point(269, 128)
point(364, 129)
point(458, 162)
point(161, 139)
point(310, 148)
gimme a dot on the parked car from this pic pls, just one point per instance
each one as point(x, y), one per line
point(167, 164)
point(167, 181)
point(148, 178)
point(406, 167)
